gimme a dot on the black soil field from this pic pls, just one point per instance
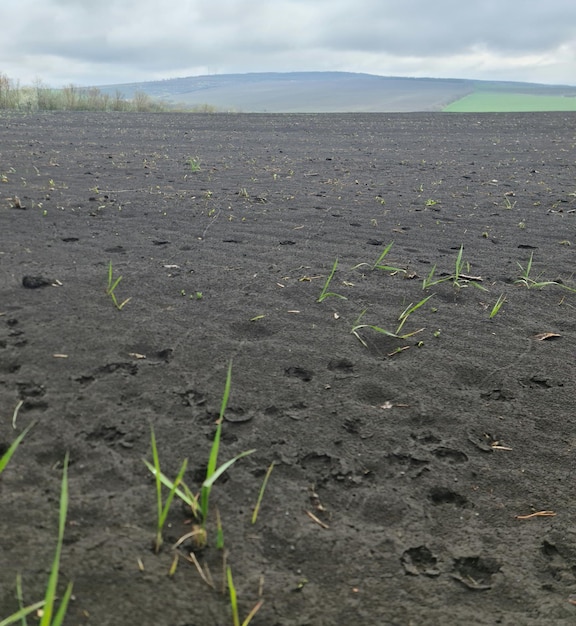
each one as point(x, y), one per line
point(423, 478)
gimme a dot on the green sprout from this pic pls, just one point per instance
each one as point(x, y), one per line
point(111, 287)
point(261, 493)
point(459, 279)
point(378, 265)
point(213, 472)
point(199, 505)
point(325, 293)
point(193, 163)
point(13, 447)
point(50, 616)
point(526, 280)
point(234, 602)
point(402, 318)
point(163, 508)
point(497, 306)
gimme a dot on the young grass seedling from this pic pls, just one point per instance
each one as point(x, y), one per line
point(408, 311)
point(497, 306)
point(8, 454)
point(459, 279)
point(219, 531)
point(234, 602)
point(526, 280)
point(184, 494)
point(325, 293)
point(261, 493)
point(212, 472)
point(50, 596)
point(199, 504)
point(378, 265)
point(401, 321)
point(194, 164)
point(112, 284)
point(163, 508)
point(20, 615)
point(47, 606)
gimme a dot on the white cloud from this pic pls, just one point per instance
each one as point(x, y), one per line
point(87, 42)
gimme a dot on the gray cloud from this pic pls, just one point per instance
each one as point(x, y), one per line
point(87, 42)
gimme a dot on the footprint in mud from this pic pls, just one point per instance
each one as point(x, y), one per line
point(109, 368)
point(343, 366)
point(475, 572)
point(443, 495)
point(299, 372)
point(297, 411)
point(559, 559)
point(401, 464)
point(32, 396)
point(110, 436)
point(450, 455)
point(250, 330)
point(420, 561)
point(16, 337)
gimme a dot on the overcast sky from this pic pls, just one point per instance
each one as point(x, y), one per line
point(95, 42)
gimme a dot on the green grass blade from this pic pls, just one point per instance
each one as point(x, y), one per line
point(386, 268)
point(115, 284)
point(253, 612)
point(529, 266)
point(261, 493)
point(110, 273)
point(459, 264)
point(209, 482)
point(382, 331)
point(325, 293)
point(498, 305)
point(383, 255)
point(219, 531)
point(157, 473)
point(233, 597)
point(162, 509)
point(20, 597)
point(8, 454)
point(50, 597)
point(389, 268)
point(61, 614)
point(21, 614)
point(213, 458)
point(428, 282)
point(409, 310)
point(166, 506)
point(184, 494)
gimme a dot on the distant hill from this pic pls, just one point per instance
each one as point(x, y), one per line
point(327, 92)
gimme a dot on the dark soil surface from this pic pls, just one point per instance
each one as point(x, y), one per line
point(405, 469)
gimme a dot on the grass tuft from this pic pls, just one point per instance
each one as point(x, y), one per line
point(13, 447)
point(379, 265)
point(199, 505)
point(402, 318)
point(325, 293)
point(261, 493)
point(50, 597)
point(193, 163)
point(497, 306)
point(531, 283)
point(111, 287)
point(162, 508)
point(459, 279)
point(234, 602)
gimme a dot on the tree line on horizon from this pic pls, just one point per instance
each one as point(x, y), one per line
point(40, 97)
